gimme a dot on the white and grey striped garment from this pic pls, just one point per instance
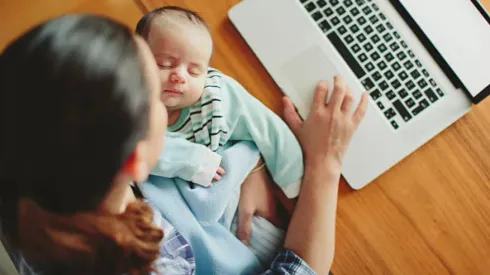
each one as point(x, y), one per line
point(205, 123)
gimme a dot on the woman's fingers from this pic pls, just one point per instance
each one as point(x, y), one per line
point(338, 93)
point(220, 171)
point(347, 104)
point(320, 96)
point(361, 109)
point(291, 116)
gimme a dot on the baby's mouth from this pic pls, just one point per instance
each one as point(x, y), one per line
point(172, 91)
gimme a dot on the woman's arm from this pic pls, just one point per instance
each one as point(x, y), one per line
point(324, 137)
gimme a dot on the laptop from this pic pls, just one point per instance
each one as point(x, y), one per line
point(423, 63)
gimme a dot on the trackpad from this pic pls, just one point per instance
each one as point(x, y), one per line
point(303, 72)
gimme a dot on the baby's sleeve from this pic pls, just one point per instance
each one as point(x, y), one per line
point(189, 161)
point(250, 120)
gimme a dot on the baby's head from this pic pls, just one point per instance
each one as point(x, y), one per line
point(182, 46)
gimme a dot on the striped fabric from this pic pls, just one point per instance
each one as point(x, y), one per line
point(205, 123)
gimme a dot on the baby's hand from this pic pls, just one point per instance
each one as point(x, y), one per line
point(219, 173)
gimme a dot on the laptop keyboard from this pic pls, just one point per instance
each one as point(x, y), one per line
point(378, 55)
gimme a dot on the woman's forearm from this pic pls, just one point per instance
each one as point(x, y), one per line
point(311, 233)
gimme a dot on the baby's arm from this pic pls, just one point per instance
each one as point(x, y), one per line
point(189, 161)
point(277, 144)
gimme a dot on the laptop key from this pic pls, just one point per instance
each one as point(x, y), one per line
point(403, 75)
point(402, 93)
point(335, 21)
point(404, 44)
point(354, 29)
point(410, 103)
point(369, 66)
point(432, 82)
point(361, 38)
point(400, 108)
point(422, 83)
point(360, 2)
point(380, 105)
point(375, 94)
point(425, 72)
point(382, 48)
point(380, 28)
point(347, 3)
point(394, 124)
point(383, 85)
point(342, 30)
point(349, 39)
point(382, 65)
point(415, 74)
point(410, 85)
point(375, 38)
point(334, 2)
point(317, 15)
point(431, 95)
point(347, 19)
point(367, 83)
point(382, 16)
point(390, 113)
point(417, 62)
point(368, 47)
point(363, 57)
point(325, 26)
point(389, 74)
point(396, 66)
point(439, 92)
point(390, 95)
point(368, 30)
point(375, 56)
point(356, 48)
point(340, 10)
point(321, 3)
point(417, 94)
point(401, 56)
point(377, 76)
point(328, 12)
point(396, 83)
point(310, 7)
point(303, 1)
point(375, 7)
point(396, 34)
point(387, 37)
point(388, 24)
point(408, 65)
point(422, 105)
point(344, 52)
point(354, 11)
point(394, 46)
point(410, 53)
point(361, 20)
point(374, 19)
point(367, 10)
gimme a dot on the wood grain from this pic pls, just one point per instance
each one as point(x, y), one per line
point(430, 214)
point(16, 16)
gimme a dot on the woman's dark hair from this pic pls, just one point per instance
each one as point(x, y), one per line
point(74, 102)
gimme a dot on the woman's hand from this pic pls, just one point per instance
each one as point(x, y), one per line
point(326, 133)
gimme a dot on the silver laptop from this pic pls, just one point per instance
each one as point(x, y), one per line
point(422, 62)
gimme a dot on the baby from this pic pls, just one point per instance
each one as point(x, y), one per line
point(209, 111)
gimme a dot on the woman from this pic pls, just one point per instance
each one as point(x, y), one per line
point(81, 119)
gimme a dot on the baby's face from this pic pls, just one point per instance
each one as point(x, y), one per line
point(182, 51)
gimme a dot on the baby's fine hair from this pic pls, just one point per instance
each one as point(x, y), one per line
point(144, 25)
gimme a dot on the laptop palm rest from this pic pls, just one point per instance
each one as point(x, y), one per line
point(303, 72)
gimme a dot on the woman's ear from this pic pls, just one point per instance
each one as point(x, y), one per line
point(136, 166)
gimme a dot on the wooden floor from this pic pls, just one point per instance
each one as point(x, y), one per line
point(430, 214)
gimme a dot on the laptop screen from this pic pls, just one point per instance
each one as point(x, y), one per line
point(460, 31)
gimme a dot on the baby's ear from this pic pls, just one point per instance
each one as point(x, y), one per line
point(136, 166)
